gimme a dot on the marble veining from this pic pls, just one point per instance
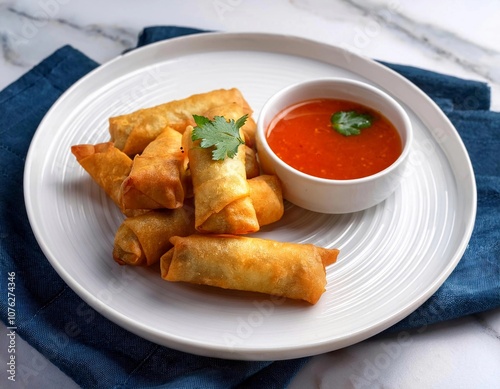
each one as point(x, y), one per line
point(441, 43)
point(32, 21)
point(119, 35)
point(8, 52)
point(486, 327)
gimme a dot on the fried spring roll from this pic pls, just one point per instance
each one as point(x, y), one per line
point(158, 176)
point(233, 111)
point(142, 240)
point(132, 132)
point(185, 147)
point(252, 167)
point(107, 166)
point(292, 270)
point(221, 192)
point(267, 198)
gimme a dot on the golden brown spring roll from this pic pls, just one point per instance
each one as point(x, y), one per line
point(142, 240)
point(233, 111)
point(158, 176)
point(132, 132)
point(186, 139)
point(292, 270)
point(252, 167)
point(107, 166)
point(267, 198)
point(221, 192)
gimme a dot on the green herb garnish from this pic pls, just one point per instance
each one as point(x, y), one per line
point(222, 134)
point(350, 122)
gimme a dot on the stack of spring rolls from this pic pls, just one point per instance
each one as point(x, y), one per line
point(191, 213)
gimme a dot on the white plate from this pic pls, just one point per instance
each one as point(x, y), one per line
point(393, 256)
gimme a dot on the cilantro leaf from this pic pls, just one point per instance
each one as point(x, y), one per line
point(350, 122)
point(222, 134)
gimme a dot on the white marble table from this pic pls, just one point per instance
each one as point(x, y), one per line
point(458, 38)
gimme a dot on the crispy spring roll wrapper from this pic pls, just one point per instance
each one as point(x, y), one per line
point(107, 166)
point(142, 240)
point(221, 192)
point(292, 270)
point(233, 111)
point(186, 139)
point(267, 198)
point(158, 176)
point(252, 167)
point(132, 132)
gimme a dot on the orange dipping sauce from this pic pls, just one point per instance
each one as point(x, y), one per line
point(304, 138)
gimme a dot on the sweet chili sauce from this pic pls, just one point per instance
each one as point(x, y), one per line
point(303, 137)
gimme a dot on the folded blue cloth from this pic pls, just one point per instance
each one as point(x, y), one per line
point(96, 353)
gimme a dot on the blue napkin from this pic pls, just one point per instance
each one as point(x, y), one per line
point(96, 353)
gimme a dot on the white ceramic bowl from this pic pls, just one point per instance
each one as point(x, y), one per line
point(328, 195)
